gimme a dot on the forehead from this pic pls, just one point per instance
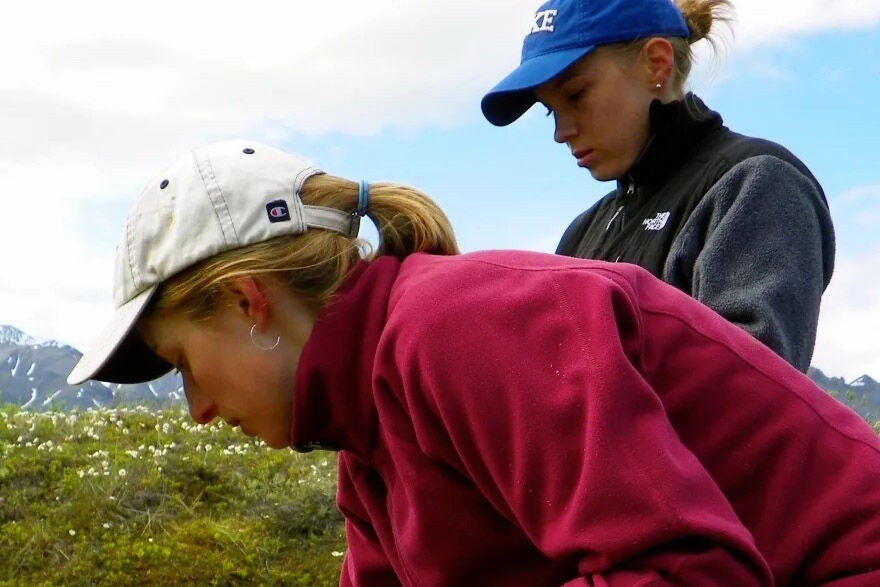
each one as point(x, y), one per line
point(161, 332)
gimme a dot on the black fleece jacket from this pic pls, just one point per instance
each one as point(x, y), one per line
point(737, 222)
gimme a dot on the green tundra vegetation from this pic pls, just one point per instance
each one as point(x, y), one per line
point(134, 497)
point(131, 496)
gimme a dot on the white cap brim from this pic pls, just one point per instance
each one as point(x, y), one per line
point(118, 355)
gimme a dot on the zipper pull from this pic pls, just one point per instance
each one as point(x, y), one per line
point(610, 222)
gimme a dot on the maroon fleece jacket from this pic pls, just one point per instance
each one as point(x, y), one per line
point(512, 418)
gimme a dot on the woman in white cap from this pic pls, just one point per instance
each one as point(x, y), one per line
point(737, 222)
point(502, 418)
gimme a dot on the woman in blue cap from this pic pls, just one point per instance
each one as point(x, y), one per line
point(737, 222)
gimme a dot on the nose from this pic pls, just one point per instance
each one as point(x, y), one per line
point(202, 408)
point(565, 128)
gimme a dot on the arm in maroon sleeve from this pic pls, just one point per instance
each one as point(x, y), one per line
point(365, 563)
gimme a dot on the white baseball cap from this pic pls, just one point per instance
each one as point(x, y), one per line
point(216, 198)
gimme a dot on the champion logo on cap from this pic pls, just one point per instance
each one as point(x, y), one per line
point(277, 211)
point(543, 22)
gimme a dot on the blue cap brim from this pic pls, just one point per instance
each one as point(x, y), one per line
point(513, 95)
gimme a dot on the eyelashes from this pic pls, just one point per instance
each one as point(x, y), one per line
point(573, 99)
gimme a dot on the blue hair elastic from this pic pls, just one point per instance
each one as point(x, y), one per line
point(363, 199)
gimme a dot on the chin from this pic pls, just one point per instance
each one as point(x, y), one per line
point(277, 442)
point(600, 175)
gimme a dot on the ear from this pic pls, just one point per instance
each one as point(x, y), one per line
point(660, 60)
point(251, 298)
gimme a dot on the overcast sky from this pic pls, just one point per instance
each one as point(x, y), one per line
point(97, 97)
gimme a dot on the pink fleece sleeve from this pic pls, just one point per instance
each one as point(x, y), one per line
point(365, 563)
point(537, 403)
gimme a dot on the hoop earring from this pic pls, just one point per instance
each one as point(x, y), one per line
point(262, 347)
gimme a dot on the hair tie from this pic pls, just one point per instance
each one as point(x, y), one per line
point(363, 199)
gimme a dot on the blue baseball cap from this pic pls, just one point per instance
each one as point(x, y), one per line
point(563, 31)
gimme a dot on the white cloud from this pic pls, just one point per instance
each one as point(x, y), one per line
point(99, 74)
point(52, 267)
point(849, 323)
point(863, 193)
point(865, 202)
point(94, 77)
point(758, 21)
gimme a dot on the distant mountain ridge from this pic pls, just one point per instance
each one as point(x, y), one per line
point(33, 375)
point(12, 335)
point(862, 394)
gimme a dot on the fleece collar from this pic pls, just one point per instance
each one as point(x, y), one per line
point(333, 404)
point(677, 127)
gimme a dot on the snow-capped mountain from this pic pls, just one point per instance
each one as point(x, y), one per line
point(33, 375)
point(12, 335)
point(862, 394)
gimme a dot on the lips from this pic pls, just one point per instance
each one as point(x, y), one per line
point(584, 157)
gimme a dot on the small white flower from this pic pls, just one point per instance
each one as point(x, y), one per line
point(122, 472)
point(72, 532)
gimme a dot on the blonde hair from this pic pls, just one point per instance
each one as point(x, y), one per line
point(316, 263)
point(700, 15)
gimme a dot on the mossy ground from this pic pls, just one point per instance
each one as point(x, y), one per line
point(134, 497)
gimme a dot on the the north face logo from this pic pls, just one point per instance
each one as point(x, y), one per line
point(543, 22)
point(657, 222)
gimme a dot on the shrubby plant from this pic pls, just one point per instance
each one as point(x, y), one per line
point(134, 497)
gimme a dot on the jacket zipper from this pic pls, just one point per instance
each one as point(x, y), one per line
point(630, 190)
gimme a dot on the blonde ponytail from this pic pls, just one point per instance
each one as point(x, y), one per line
point(408, 221)
point(700, 16)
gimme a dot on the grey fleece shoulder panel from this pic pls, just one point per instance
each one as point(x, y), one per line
point(759, 250)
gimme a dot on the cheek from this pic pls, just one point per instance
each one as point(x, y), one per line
point(272, 375)
point(625, 126)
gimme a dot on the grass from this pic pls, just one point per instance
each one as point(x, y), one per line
point(134, 497)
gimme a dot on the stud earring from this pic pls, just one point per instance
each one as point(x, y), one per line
point(659, 86)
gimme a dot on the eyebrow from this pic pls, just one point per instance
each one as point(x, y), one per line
point(562, 78)
point(555, 84)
